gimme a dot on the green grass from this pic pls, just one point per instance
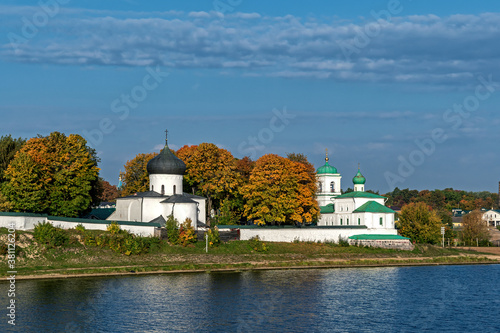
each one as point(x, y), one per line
point(76, 258)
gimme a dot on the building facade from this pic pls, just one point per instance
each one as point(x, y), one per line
point(357, 208)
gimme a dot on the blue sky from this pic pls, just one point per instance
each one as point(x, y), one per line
point(408, 89)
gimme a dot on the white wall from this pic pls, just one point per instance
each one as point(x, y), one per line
point(168, 181)
point(28, 223)
point(308, 234)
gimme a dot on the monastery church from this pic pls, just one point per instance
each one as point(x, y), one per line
point(165, 195)
point(353, 208)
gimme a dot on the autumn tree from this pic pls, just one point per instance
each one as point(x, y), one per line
point(245, 166)
point(8, 149)
point(280, 191)
point(420, 223)
point(474, 227)
point(136, 178)
point(57, 175)
point(109, 192)
point(210, 171)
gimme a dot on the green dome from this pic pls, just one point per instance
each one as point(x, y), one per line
point(327, 168)
point(359, 179)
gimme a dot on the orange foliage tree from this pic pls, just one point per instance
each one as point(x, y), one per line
point(210, 171)
point(57, 174)
point(280, 191)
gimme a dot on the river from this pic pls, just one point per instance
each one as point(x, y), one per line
point(389, 299)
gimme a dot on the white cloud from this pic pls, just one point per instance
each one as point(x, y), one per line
point(417, 49)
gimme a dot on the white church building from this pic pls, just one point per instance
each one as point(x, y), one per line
point(358, 208)
point(165, 196)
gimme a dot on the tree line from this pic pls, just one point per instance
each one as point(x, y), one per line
point(446, 199)
point(271, 190)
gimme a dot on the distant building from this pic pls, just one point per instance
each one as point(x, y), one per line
point(492, 217)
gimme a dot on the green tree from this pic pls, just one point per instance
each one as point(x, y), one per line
point(420, 223)
point(8, 149)
point(57, 174)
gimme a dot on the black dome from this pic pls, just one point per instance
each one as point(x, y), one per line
point(166, 163)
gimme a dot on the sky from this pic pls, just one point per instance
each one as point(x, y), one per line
point(409, 90)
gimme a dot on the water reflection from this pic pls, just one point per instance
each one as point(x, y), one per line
point(411, 299)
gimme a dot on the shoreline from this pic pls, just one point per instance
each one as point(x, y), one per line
point(486, 261)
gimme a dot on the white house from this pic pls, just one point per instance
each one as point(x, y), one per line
point(165, 196)
point(355, 208)
point(492, 217)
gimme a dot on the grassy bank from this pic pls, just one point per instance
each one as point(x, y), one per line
point(76, 259)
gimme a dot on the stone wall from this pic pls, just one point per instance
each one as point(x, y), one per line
point(395, 244)
point(314, 234)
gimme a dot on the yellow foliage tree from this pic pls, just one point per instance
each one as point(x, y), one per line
point(280, 191)
point(136, 178)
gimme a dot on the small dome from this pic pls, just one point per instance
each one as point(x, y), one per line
point(359, 179)
point(166, 163)
point(327, 168)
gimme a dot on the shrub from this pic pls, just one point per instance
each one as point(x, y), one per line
point(344, 242)
point(257, 245)
point(80, 228)
point(213, 236)
point(172, 230)
point(113, 228)
point(45, 233)
point(186, 233)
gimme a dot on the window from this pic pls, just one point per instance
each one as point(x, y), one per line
point(320, 187)
point(152, 187)
point(340, 221)
point(174, 189)
point(347, 222)
point(162, 189)
point(359, 221)
point(381, 221)
point(332, 187)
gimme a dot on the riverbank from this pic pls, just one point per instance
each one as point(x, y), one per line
point(35, 261)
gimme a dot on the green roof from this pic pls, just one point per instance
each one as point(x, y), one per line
point(373, 207)
point(377, 237)
point(360, 194)
point(100, 213)
point(328, 209)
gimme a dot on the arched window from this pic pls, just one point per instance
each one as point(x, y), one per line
point(152, 187)
point(174, 189)
point(320, 187)
point(332, 187)
point(162, 189)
